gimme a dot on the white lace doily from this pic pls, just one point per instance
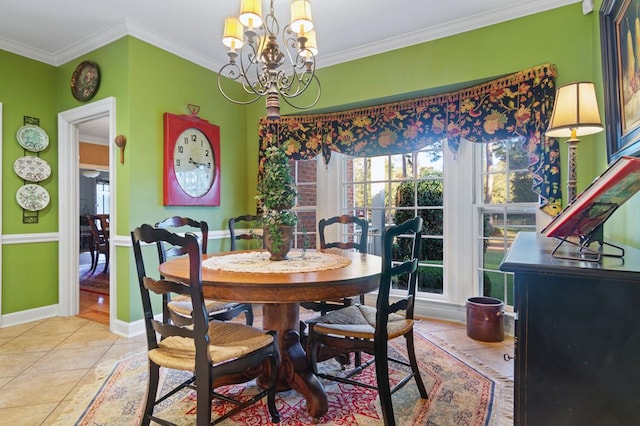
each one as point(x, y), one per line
point(258, 262)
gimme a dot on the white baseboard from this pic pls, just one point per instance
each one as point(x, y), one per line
point(128, 329)
point(29, 315)
point(119, 327)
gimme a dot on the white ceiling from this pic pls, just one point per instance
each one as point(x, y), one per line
point(95, 131)
point(56, 32)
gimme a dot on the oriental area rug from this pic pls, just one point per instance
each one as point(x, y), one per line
point(462, 392)
point(96, 282)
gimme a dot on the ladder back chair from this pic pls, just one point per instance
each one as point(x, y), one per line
point(359, 328)
point(179, 307)
point(245, 221)
point(217, 352)
point(360, 245)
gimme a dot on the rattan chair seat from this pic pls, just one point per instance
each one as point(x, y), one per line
point(359, 321)
point(229, 341)
point(182, 305)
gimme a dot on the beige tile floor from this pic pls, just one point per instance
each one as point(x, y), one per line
point(43, 363)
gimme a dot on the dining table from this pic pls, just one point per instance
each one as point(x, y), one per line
point(249, 276)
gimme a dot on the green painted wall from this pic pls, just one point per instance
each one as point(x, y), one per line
point(28, 88)
point(148, 82)
point(161, 82)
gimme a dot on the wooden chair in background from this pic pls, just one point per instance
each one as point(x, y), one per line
point(246, 221)
point(179, 307)
point(217, 352)
point(360, 328)
point(98, 241)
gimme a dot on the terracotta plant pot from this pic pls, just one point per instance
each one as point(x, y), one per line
point(279, 251)
point(485, 319)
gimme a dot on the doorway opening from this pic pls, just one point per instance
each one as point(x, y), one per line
point(69, 124)
point(94, 202)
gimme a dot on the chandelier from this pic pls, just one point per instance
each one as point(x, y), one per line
point(263, 66)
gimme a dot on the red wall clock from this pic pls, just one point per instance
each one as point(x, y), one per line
point(191, 161)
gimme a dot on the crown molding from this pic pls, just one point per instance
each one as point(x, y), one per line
point(91, 43)
point(128, 27)
point(142, 33)
point(26, 51)
point(450, 28)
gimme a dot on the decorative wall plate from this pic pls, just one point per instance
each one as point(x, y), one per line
point(32, 138)
point(33, 169)
point(85, 81)
point(32, 197)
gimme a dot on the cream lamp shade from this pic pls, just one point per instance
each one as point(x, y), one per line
point(251, 13)
point(575, 108)
point(311, 45)
point(575, 113)
point(233, 33)
point(301, 21)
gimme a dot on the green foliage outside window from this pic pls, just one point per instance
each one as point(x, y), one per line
point(429, 194)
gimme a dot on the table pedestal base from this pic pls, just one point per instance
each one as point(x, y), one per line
point(294, 371)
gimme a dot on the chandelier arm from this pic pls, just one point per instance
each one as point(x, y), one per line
point(258, 86)
point(286, 98)
point(229, 98)
point(302, 80)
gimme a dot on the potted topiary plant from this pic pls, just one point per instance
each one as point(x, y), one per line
point(276, 194)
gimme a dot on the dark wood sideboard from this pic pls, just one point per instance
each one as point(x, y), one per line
point(577, 330)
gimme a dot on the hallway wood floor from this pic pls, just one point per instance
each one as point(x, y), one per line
point(93, 306)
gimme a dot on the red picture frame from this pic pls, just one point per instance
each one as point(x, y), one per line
point(173, 194)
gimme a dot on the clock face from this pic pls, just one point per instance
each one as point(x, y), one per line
point(193, 162)
point(191, 167)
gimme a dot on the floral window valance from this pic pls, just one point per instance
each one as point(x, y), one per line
point(516, 105)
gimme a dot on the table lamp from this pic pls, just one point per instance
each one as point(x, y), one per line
point(575, 113)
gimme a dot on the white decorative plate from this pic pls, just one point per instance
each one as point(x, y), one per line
point(32, 138)
point(32, 197)
point(33, 169)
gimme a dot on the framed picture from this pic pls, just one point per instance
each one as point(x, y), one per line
point(620, 39)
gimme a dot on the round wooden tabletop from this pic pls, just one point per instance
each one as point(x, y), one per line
point(360, 276)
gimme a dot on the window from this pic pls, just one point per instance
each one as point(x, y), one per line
point(505, 205)
point(305, 177)
point(102, 197)
point(390, 189)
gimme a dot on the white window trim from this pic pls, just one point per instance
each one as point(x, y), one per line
point(458, 229)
